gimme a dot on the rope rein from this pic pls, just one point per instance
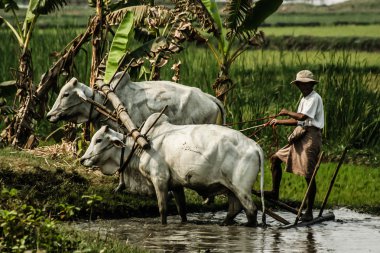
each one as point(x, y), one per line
point(253, 120)
point(275, 141)
point(124, 165)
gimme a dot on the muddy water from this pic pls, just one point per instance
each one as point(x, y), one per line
point(350, 232)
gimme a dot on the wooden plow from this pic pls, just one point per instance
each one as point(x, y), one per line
point(298, 212)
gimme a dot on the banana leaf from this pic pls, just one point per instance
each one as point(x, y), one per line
point(119, 46)
point(258, 13)
point(212, 9)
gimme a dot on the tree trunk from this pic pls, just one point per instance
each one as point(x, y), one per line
point(21, 127)
point(223, 84)
point(96, 57)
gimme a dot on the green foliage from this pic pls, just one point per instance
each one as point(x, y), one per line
point(92, 201)
point(67, 211)
point(119, 46)
point(256, 15)
point(24, 227)
point(43, 7)
point(220, 33)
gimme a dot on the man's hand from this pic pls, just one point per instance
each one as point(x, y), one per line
point(273, 122)
point(284, 112)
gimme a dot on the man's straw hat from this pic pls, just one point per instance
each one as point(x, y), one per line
point(305, 76)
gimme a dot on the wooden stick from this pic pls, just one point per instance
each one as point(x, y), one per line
point(333, 181)
point(277, 203)
point(101, 109)
point(328, 217)
point(308, 188)
point(276, 217)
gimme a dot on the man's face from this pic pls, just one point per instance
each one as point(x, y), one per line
point(305, 88)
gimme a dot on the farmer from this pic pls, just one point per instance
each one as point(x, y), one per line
point(301, 154)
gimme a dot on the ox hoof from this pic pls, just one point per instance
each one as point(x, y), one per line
point(208, 201)
point(119, 188)
point(228, 223)
point(251, 224)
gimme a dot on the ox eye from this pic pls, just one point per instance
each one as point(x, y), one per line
point(66, 94)
point(98, 141)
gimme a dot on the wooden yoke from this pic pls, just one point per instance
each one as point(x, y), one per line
point(124, 117)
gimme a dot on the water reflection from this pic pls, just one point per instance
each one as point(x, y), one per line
point(352, 232)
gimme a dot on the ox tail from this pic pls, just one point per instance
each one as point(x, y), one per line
point(261, 161)
point(221, 118)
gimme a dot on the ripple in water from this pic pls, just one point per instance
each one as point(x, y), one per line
point(350, 232)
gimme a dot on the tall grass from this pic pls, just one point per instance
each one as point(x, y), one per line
point(348, 86)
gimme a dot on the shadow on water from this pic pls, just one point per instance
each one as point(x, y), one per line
point(350, 232)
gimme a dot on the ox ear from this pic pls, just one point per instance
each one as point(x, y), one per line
point(81, 94)
point(74, 81)
point(117, 142)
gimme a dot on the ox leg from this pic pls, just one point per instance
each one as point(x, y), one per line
point(121, 185)
point(180, 201)
point(162, 198)
point(234, 208)
point(249, 208)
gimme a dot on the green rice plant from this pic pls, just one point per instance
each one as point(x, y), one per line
point(355, 186)
point(349, 85)
point(351, 106)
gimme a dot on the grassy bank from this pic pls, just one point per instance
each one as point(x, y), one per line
point(52, 180)
point(39, 191)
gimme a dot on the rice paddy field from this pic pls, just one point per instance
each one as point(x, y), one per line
point(340, 44)
point(371, 31)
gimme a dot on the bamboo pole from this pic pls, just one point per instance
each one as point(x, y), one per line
point(276, 217)
point(277, 203)
point(333, 181)
point(308, 188)
point(124, 117)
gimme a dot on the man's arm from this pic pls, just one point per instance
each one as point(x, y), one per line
point(294, 118)
point(293, 115)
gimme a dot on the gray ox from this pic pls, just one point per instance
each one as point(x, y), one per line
point(186, 105)
point(209, 159)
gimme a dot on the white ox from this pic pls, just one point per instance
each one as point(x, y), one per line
point(186, 105)
point(209, 159)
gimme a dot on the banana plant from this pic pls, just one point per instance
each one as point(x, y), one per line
point(36, 8)
point(20, 126)
point(238, 31)
point(161, 31)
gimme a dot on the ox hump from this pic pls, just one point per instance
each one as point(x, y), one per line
point(152, 118)
point(117, 82)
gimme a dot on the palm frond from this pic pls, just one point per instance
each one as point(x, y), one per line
point(43, 7)
point(236, 11)
point(255, 16)
point(8, 5)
